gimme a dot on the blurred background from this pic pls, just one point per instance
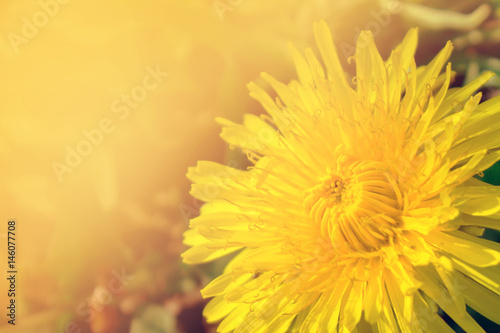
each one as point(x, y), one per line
point(104, 106)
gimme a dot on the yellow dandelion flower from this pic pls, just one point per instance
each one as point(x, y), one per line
point(360, 211)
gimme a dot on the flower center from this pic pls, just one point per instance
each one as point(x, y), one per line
point(355, 206)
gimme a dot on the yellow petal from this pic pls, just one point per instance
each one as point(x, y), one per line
point(217, 309)
point(343, 92)
point(485, 119)
point(255, 134)
point(220, 285)
point(386, 323)
point(373, 297)
point(401, 304)
point(311, 323)
point(479, 298)
point(234, 319)
point(486, 276)
point(330, 314)
point(352, 308)
point(473, 250)
point(329, 53)
point(301, 66)
point(205, 253)
point(429, 320)
point(433, 288)
point(481, 221)
point(250, 289)
point(481, 206)
point(427, 78)
point(399, 63)
point(370, 69)
point(457, 96)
